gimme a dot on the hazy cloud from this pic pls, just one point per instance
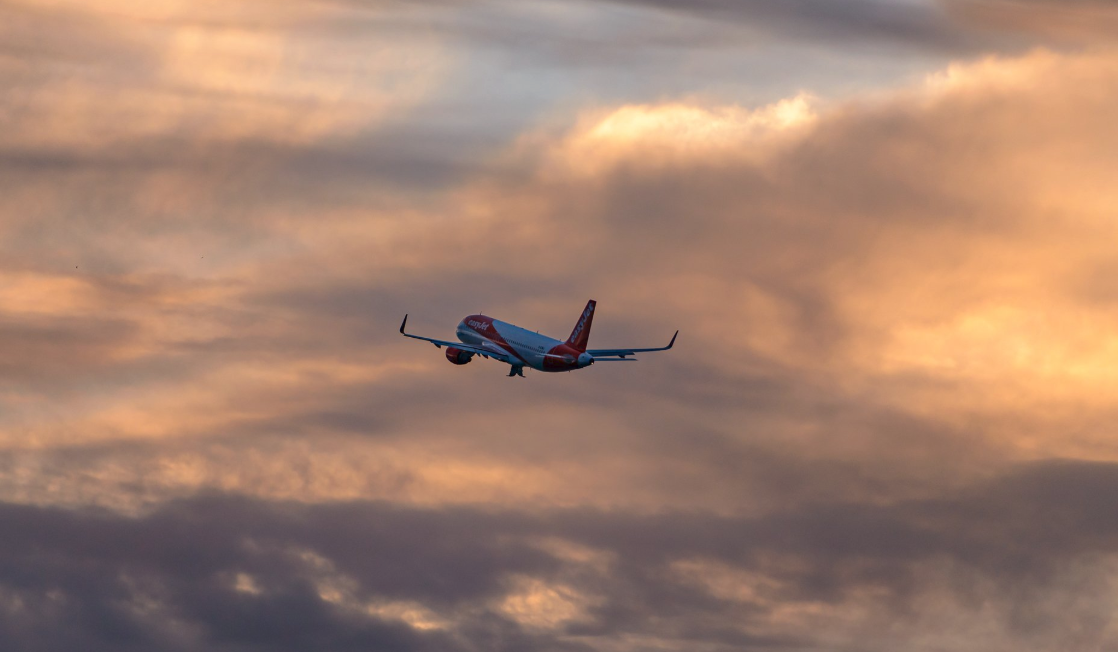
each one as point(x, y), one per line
point(1067, 22)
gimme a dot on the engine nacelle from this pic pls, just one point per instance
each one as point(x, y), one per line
point(458, 356)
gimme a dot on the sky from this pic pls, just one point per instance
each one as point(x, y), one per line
point(885, 230)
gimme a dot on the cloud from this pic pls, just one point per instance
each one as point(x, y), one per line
point(179, 79)
point(954, 25)
point(224, 572)
point(851, 20)
point(1067, 22)
point(949, 26)
point(848, 278)
point(888, 305)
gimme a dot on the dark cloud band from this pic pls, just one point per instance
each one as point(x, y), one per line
point(229, 573)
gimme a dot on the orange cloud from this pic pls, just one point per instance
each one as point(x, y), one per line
point(193, 72)
point(889, 306)
point(863, 288)
point(1076, 21)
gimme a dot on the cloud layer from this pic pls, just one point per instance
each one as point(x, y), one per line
point(226, 573)
point(887, 423)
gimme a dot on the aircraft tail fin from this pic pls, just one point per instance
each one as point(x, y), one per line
point(580, 336)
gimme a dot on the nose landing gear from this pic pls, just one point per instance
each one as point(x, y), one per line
point(516, 370)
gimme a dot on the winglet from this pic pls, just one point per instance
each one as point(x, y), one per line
point(405, 322)
point(670, 344)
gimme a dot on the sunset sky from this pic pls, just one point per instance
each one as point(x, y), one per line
point(887, 231)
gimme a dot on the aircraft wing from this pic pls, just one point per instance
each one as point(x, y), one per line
point(496, 355)
point(621, 353)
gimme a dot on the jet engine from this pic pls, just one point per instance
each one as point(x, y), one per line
point(458, 356)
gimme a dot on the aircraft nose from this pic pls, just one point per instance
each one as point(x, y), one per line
point(585, 359)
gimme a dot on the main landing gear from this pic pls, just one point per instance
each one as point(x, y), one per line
point(516, 370)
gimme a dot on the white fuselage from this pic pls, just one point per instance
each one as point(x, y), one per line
point(530, 348)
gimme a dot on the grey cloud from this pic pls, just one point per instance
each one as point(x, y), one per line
point(646, 26)
point(165, 581)
point(849, 20)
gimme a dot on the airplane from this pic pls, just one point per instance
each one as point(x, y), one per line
point(519, 348)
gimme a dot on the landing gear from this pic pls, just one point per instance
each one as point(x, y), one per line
point(516, 370)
